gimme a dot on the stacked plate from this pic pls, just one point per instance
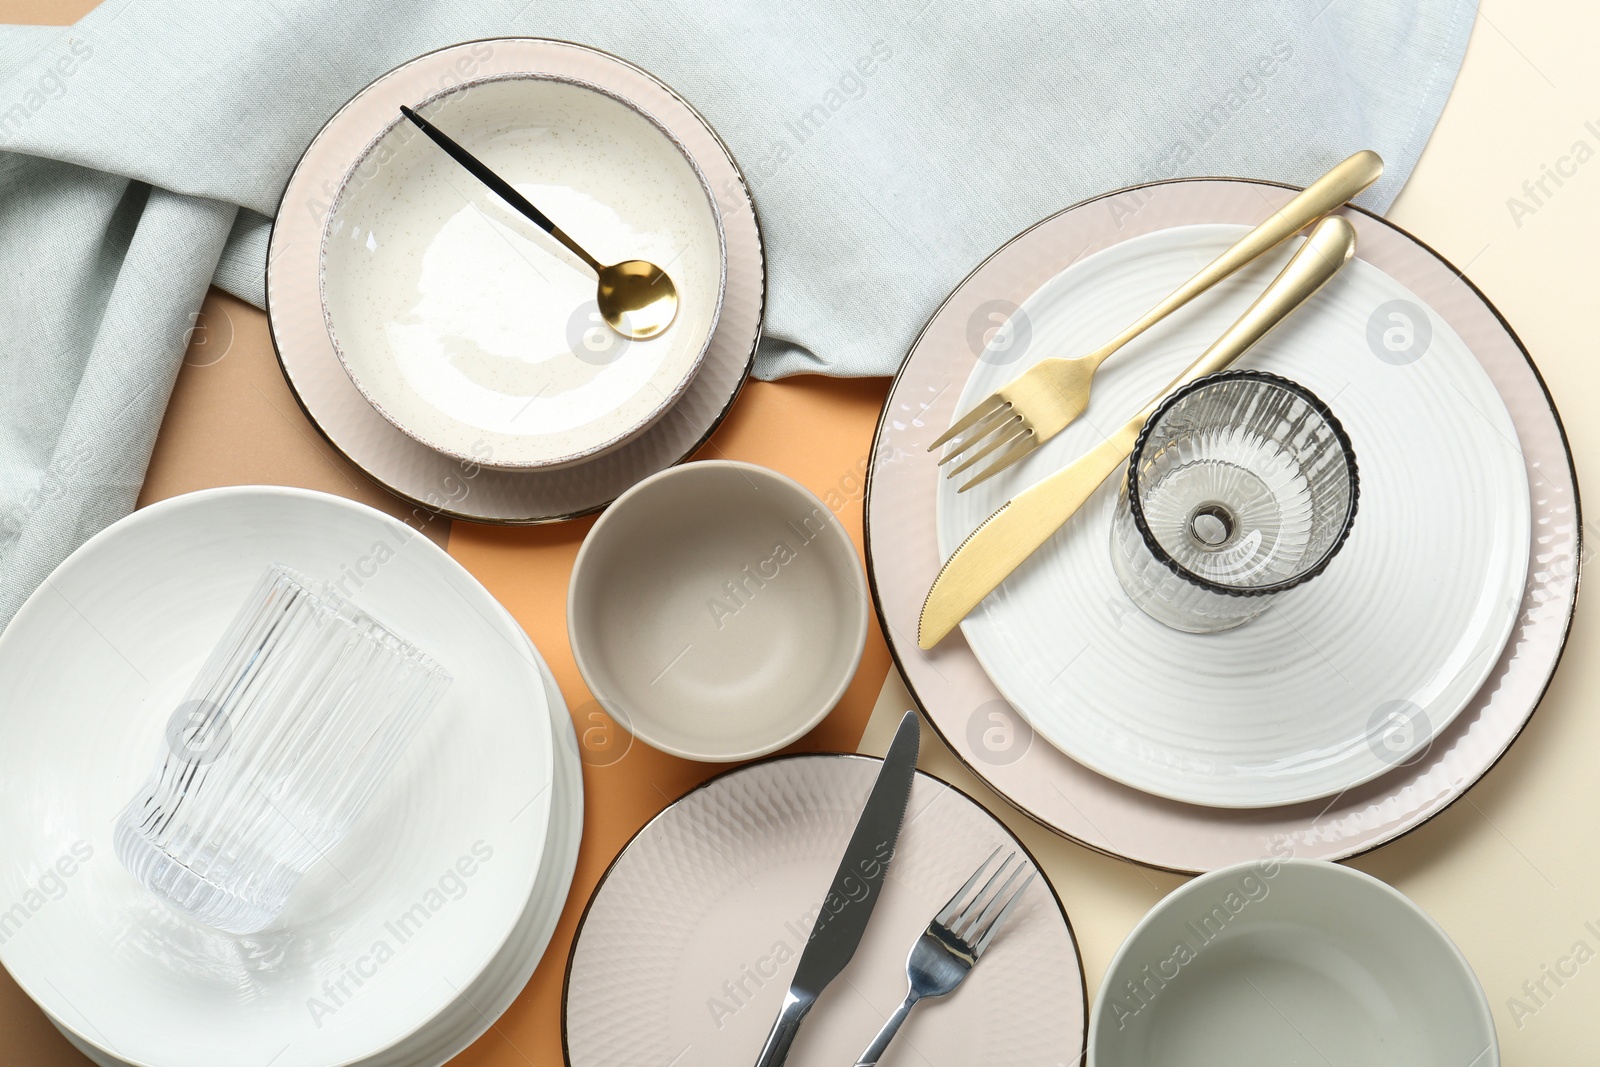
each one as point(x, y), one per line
point(1368, 700)
point(411, 937)
point(453, 350)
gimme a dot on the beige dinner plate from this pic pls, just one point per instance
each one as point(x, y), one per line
point(690, 940)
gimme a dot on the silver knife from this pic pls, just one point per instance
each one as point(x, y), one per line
point(842, 919)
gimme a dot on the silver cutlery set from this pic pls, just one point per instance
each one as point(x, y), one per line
point(944, 954)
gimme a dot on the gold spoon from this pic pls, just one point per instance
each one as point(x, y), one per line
point(636, 298)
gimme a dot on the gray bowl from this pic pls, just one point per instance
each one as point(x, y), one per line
point(1281, 960)
point(718, 610)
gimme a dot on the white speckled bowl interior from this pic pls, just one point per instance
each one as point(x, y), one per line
point(470, 328)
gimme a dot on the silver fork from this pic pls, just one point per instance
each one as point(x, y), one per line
point(951, 945)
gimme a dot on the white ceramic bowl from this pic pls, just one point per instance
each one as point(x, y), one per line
point(412, 907)
point(471, 329)
point(1290, 961)
point(718, 610)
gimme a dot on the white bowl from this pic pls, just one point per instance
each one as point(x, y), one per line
point(470, 328)
point(1290, 961)
point(90, 669)
point(718, 610)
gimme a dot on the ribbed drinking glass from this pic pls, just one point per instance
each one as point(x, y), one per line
point(296, 717)
point(1242, 486)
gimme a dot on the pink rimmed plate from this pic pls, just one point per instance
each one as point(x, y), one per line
point(688, 944)
point(467, 488)
point(984, 731)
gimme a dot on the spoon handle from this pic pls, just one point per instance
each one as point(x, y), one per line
point(497, 184)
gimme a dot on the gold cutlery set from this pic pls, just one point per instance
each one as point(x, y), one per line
point(1034, 407)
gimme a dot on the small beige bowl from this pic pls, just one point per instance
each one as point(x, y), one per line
point(718, 610)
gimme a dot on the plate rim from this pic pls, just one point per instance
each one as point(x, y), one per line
point(1566, 447)
point(716, 421)
point(605, 876)
point(565, 735)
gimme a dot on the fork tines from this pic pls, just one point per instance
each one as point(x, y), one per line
point(996, 425)
point(976, 924)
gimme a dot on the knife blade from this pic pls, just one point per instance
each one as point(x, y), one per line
point(1014, 532)
point(853, 893)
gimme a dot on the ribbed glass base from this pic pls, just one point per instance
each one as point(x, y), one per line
point(236, 906)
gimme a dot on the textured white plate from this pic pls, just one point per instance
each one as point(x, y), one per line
point(1290, 962)
point(1343, 678)
point(961, 701)
point(474, 331)
point(89, 670)
point(689, 943)
point(485, 1000)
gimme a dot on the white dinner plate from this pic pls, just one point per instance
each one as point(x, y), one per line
point(1340, 680)
point(380, 938)
point(485, 1000)
point(1281, 961)
point(689, 942)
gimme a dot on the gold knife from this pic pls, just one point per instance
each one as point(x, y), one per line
point(1012, 534)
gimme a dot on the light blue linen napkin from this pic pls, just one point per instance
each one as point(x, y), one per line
point(890, 144)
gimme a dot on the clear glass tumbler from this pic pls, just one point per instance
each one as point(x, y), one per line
point(297, 715)
point(1241, 486)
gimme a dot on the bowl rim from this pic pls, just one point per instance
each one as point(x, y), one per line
point(854, 574)
point(668, 397)
point(1328, 869)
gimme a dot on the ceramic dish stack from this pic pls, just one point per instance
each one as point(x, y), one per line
point(411, 936)
point(1352, 712)
point(455, 352)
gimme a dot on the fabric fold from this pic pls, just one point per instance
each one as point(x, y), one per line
point(88, 401)
point(891, 145)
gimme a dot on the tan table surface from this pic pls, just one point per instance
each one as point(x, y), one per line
point(1511, 872)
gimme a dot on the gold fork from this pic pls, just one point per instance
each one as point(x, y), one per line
point(1026, 412)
